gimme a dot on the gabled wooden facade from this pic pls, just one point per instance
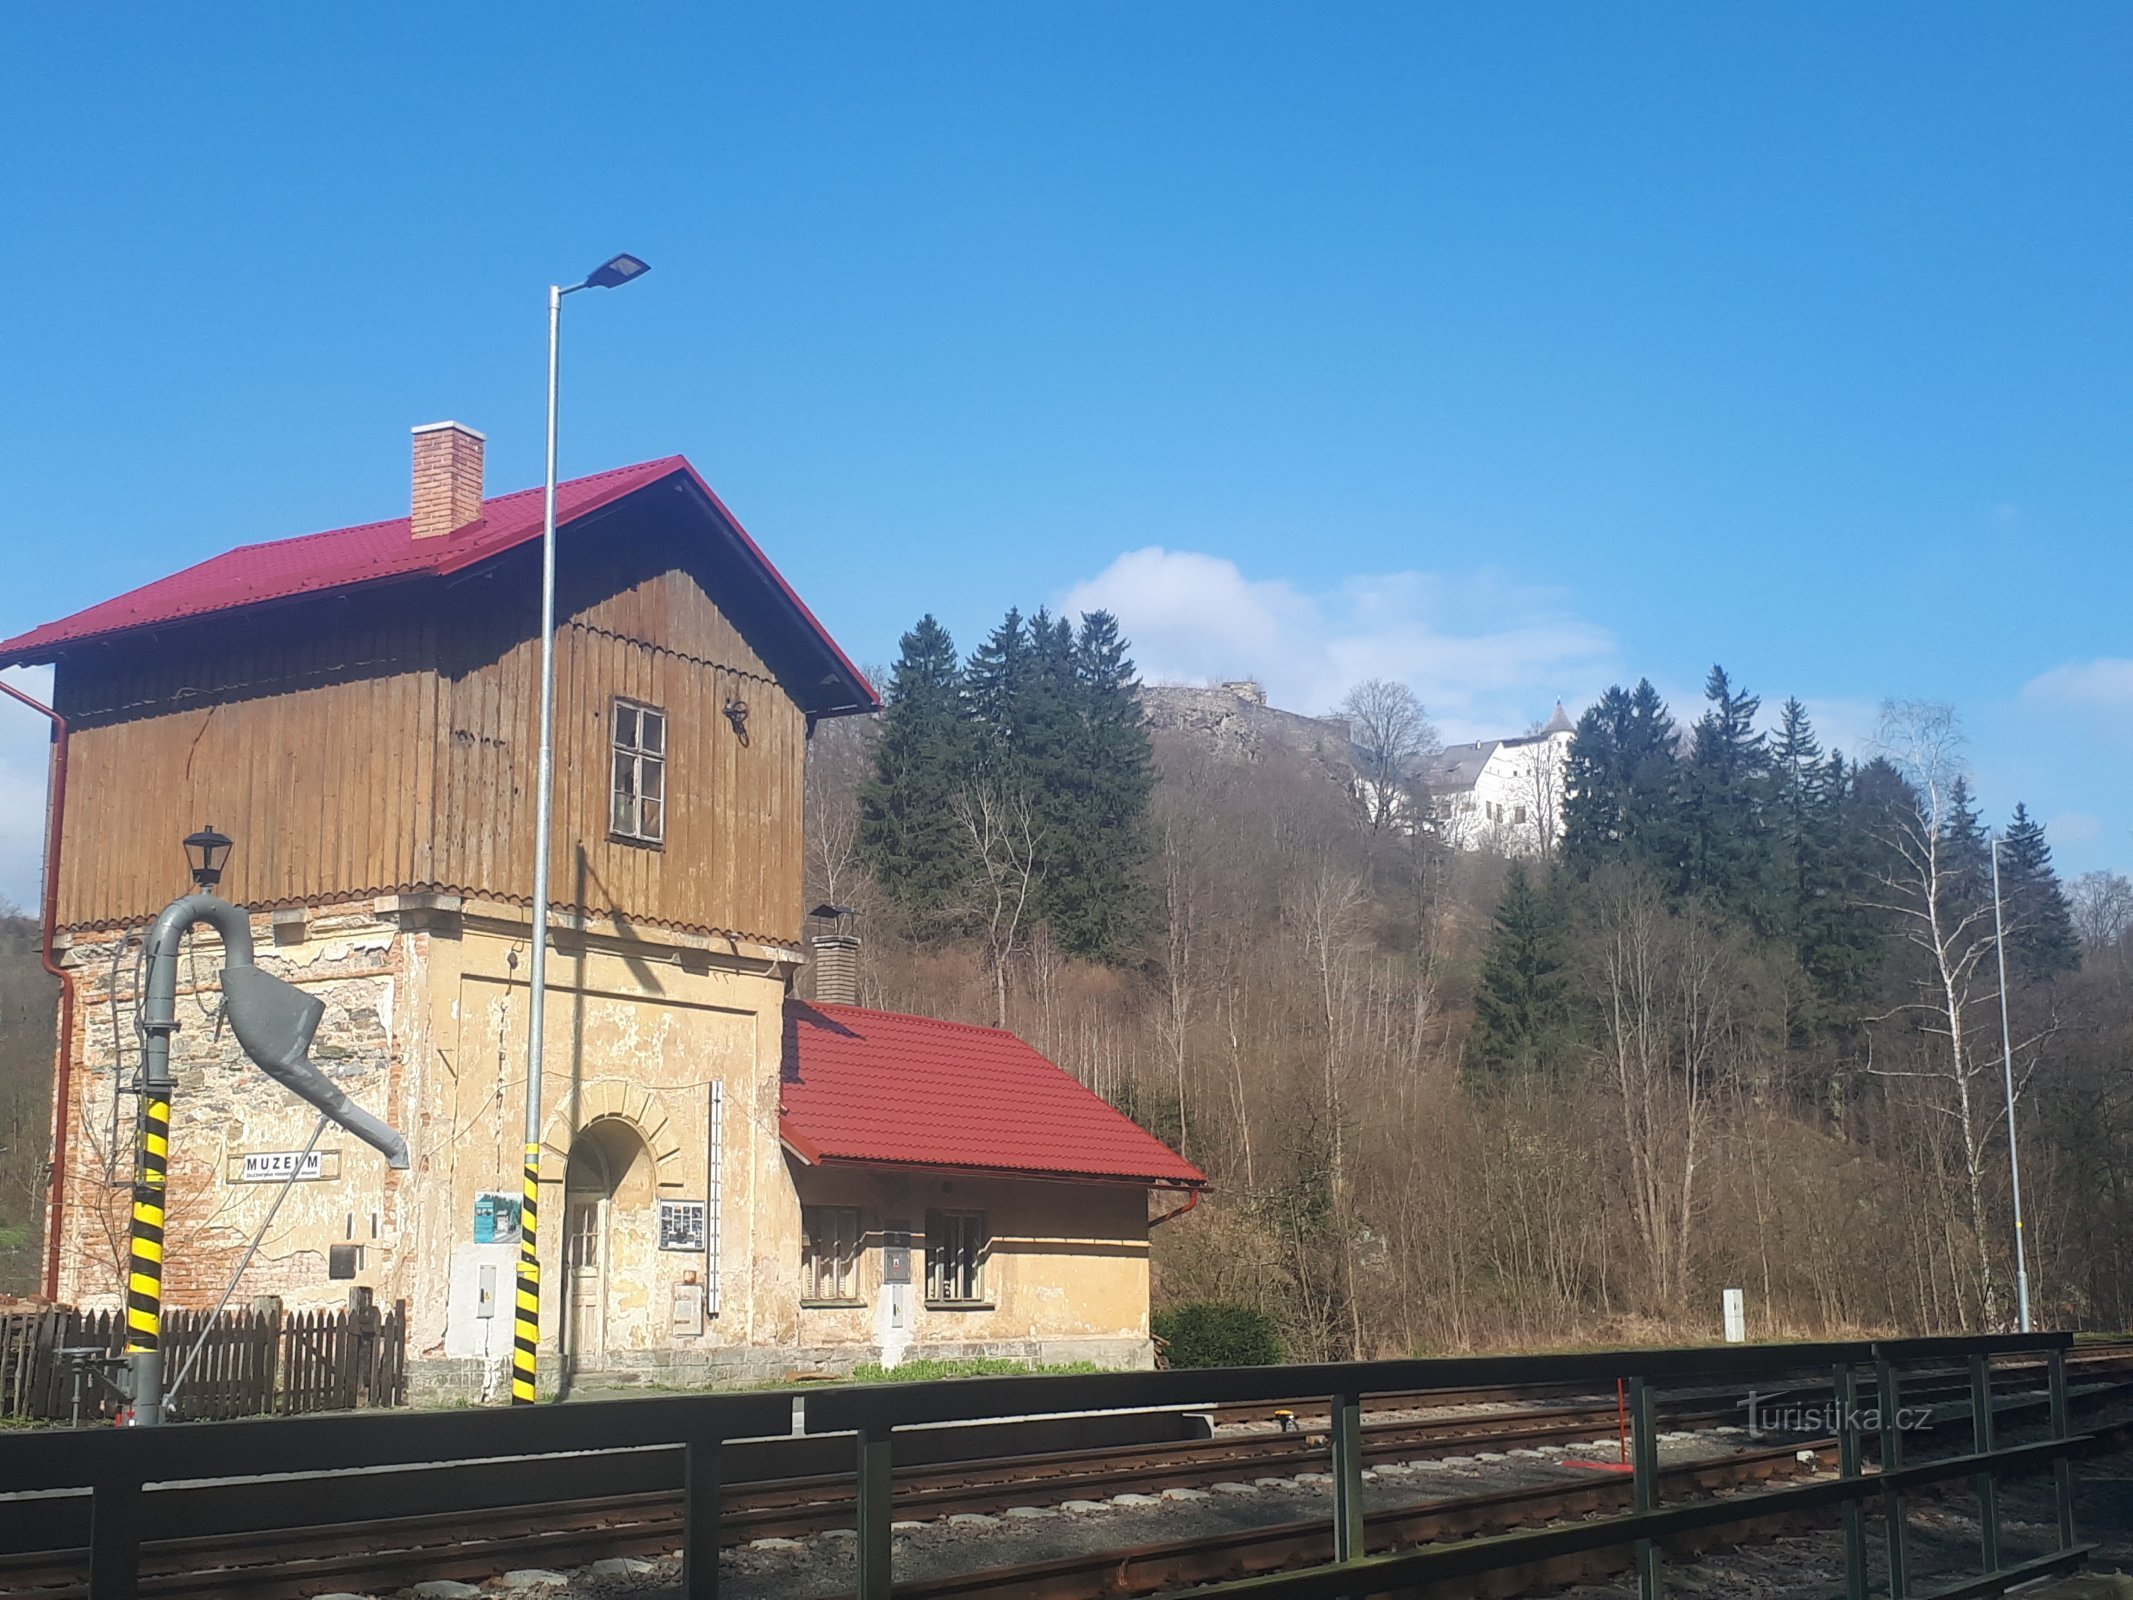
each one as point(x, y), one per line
point(382, 741)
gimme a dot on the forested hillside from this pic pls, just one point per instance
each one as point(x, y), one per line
point(28, 1018)
point(1746, 1032)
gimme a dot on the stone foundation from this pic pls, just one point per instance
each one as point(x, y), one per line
point(470, 1381)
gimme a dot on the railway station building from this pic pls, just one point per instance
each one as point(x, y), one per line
point(737, 1182)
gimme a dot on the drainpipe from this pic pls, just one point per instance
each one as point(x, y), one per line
point(1192, 1198)
point(63, 1075)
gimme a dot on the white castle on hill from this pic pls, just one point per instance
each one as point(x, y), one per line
point(1504, 795)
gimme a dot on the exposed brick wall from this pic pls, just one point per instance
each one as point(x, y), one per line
point(448, 478)
point(222, 1108)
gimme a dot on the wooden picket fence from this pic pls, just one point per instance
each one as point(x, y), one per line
point(255, 1363)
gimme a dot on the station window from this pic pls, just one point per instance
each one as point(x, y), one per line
point(640, 792)
point(956, 1247)
point(829, 1254)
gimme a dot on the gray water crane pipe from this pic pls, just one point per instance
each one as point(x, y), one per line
point(274, 1022)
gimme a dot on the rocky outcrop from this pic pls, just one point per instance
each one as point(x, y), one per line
point(1234, 720)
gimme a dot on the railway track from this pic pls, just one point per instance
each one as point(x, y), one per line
point(389, 1554)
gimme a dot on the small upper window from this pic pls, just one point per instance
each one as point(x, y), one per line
point(640, 797)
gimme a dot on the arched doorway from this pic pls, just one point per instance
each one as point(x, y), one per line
point(607, 1191)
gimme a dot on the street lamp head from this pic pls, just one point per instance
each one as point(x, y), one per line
point(206, 851)
point(616, 272)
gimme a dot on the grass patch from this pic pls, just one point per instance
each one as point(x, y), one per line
point(926, 1369)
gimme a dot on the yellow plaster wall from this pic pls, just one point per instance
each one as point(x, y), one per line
point(635, 1036)
point(1067, 1261)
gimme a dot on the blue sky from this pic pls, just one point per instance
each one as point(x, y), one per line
point(1510, 350)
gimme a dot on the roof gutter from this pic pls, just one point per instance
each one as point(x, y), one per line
point(1192, 1198)
point(63, 1073)
point(813, 1157)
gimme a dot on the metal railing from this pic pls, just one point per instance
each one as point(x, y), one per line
point(138, 1479)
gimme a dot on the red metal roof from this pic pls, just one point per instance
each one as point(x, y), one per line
point(883, 1088)
point(375, 552)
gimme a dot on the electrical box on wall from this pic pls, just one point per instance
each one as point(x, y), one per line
point(688, 1310)
point(485, 1290)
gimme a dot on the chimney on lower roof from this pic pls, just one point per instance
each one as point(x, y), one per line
point(447, 478)
point(837, 968)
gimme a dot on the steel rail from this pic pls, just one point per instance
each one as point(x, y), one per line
point(458, 1543)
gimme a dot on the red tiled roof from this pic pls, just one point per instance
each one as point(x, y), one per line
point(883, 1088)
point(375, 552)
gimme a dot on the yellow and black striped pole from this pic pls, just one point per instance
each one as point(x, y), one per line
point(526, 1318)
point(144, 1278)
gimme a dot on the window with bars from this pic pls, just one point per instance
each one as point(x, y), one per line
point(829, 1253)
point(955, 1257)
point(640, 792)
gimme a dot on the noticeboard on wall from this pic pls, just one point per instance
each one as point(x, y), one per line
point(681, 1225)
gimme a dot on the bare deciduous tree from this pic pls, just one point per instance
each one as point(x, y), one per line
point(1000, 828)
point(1669, 980)
point(1950, 925)
point(2103, 910)
point(1391, 737)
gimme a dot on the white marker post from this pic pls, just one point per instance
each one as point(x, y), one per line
point(1736, 1317)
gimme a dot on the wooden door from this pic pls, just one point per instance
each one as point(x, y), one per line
point(585, 1244)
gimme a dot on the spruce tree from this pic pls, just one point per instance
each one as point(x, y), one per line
point(907, 833)
point(1103, 906)
point(1056, 722)
point(1726, 792)
point(1838, 939)
point(993, 682)
point(1799, 825)
point(1965, 856)
point(2041, 942)
point(1622, 799)
point(1521, 1010)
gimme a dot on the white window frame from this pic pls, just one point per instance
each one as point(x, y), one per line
point(830, 1245)
point(638, 751)
point(957, 1247)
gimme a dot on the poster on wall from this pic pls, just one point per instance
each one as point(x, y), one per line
point(681, 1225)
point(496, 1217)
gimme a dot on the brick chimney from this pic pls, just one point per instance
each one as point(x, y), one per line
point(837, 968)
point(447, 478)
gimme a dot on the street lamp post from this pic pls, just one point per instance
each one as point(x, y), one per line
point(526, 1323)
point(2014, 1157)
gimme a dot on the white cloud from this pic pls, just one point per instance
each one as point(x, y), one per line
point(1486, 655)
point(1839, 723)
point(25, 761)
point(2104, 684)
point(2074, 827)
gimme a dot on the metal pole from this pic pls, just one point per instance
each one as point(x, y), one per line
point(526, 1323)
point(1644, 1483)
point(1347, 1442)
point(877, 1488)
point(2062, 1468)
point(2014, 1158)
point(1844, 1393)
point(1983, 1441)
point(1888, 1400)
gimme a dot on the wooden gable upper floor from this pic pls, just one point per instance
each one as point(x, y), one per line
point(383, 739)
